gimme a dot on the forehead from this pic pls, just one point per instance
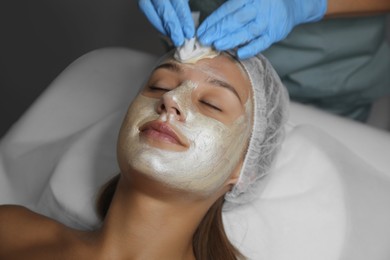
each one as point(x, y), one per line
point(221, 67)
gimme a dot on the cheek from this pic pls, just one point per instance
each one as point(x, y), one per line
point(140, 111)
point(239, 135)
point(218, 144)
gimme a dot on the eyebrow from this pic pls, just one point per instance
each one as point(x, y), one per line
point(169, 66)
point(219, 83)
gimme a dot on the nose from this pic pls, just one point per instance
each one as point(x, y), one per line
point(169, 105)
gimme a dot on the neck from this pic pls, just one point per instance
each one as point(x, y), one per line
point(145, 225)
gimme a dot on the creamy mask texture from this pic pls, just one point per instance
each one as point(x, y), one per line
point(214, 148)
point(192, 51)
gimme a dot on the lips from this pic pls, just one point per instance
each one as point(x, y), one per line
point(164, 132)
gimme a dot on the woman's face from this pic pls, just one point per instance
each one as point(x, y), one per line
point(189, 126)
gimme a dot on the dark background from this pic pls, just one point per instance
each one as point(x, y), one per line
point(38, 39)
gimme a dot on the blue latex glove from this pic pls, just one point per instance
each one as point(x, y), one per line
point(253, 25)
point(171, 17)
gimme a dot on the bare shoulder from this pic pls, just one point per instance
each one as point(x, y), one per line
point(17, 218)
point(8, 211)
point(22, 229)
point(19, 224)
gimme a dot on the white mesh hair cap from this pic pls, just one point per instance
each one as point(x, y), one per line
point(270, 102)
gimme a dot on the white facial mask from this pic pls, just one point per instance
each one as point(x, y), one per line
point(214, 151)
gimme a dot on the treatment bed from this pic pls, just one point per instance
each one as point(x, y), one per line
point(327, 197)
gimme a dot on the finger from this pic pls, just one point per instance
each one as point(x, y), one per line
point(224, 10)
point(184, 14)
point(228, 25)
point(240, 36)
point(254, 47)
point(148, 10)
point(170, 21)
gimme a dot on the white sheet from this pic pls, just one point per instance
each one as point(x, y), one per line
point(327, 198)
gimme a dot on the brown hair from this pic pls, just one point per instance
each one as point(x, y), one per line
point(210, 241)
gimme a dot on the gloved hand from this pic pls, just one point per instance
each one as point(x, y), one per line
point(171, 17)
point(253, 25)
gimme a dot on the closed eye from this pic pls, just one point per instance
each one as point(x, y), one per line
point(210, 105)
point(155, 88)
